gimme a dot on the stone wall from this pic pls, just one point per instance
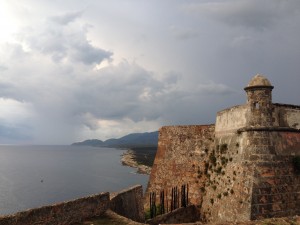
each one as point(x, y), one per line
point(229, 120)
point(227, 190)
point(241, 170)
point(233, 175)
point(276, 189)
point(286, 116)
point(62, 213)
point(181, 158)
point(253, 177)
point(129, 203)
point(182, 215)
point(276, 185)
point(259, 104)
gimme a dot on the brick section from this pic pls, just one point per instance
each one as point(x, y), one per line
point(276, 190)
point(63, 213)
point(181, 159)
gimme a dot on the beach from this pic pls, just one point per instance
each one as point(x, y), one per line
point(128, 159)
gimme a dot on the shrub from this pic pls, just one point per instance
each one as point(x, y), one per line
point(296, 162)
point(213, 159)
point(223, 148)
point(223, 160)
point(219, 170)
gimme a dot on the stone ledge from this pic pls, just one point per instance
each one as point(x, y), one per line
point(270, 129)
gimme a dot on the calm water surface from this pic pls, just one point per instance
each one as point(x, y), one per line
point(32, 176)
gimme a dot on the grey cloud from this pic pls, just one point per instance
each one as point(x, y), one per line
point(64, 42)
point(114, 93)
point(5, 89)
point(254, 14)
point(129, 91)
point(88, 54)
point(66, 18)
point(66, 97)
point(11, 51)
point(184, 33)
point(2, 68)
point(213, 88)
point(55, 74)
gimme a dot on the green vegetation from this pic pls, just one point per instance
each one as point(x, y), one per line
point(224, 160)
point(218, 170)
point(223, 148)
point(296, 162)
point(144, 155)
point(213, 159)
point(148, 212)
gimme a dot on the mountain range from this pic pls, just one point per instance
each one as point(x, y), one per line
point(148, 139)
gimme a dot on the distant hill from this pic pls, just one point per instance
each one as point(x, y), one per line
point(131, 140)
point(92, 142)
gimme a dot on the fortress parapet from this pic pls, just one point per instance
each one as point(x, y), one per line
point(243, 168)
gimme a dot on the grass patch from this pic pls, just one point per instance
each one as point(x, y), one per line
point(296, 163)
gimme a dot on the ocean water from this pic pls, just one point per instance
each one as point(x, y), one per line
point(33, 176)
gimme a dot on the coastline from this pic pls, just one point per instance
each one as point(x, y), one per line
point(128, 159)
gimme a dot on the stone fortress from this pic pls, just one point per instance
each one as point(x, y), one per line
point(245, 167)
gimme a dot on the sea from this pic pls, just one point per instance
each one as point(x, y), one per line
point(34, 176)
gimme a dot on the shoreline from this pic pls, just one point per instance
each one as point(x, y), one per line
point(128, 159)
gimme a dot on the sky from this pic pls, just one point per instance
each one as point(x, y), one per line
point(73, 70)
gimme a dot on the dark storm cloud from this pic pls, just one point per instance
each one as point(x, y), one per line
point(255, 14)
point(5, 89)
point(84, 75)
point(184, 33)
point(83, 51)
point(122, 91)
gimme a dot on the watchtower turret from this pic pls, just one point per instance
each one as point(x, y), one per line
point(259, 101)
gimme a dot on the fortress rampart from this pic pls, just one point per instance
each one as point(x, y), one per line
point(242, 168)
point(181, 159)
point(128, 203)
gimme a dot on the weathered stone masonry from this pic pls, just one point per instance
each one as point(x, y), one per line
point(180, 159)
point(240, 169)
point(128, 203)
